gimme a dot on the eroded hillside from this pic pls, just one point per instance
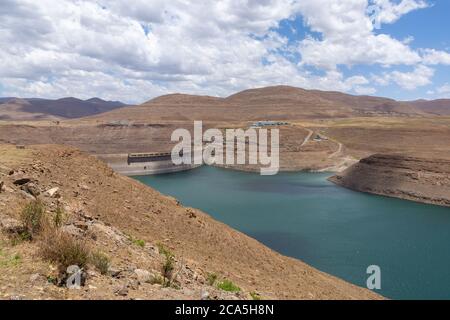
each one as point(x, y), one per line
point(130, 223)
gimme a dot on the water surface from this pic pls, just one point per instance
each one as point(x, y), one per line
point(336, 230)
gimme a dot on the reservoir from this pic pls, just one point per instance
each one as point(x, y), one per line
point(333, 229)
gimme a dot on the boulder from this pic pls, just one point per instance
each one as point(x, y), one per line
point(53, 192)
point(122, 290)
point(10, 225)
point(32, 189)
point(143, 276)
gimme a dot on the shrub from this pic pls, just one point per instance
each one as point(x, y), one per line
point(157, 279)
point(59, 217)
point(227, 285)
point(64, 249)
point(32, 217)
point(255, 295)
point(139, 242)
point(168, 266)
point(100, 261)
point(211, 278)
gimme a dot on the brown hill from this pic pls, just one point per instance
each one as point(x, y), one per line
point(438, 107)
point(270, 103)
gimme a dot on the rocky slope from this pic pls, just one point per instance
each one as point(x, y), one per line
point(130, 223)
point(423, 180)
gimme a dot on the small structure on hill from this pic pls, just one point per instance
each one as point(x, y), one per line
point(260, 124)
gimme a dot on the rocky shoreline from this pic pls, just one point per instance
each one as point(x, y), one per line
point(423, 180)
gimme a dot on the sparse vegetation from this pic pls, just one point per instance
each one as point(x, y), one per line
point(255, 295)
point(59, 217)
point(168, 266)
point(135, 241)
point(211, 278)
point(20, 237)
point(33, 219)
point(228, 285)
point(139, 242)
point(64, 249)
point(100, 261)
point(10, 261)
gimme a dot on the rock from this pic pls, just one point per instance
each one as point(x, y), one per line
point(31, 188)
point(1, 186)
point(38, 278)
point(85, 216)
point(205, 295)
point(133, 284)
point(10, 225)
point(81, 225)
point(27, 195)
point(84, 187)
point(74, 231)
point(143, 276)
point(115, 273)
point(53, 192)
point(122, 291)
point(21, 181)
point(191, 214)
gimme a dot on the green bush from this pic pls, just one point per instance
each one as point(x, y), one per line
point(32, 217)
point(139, 242)
point(227, 285)
point(101, 262)
point(168, 266)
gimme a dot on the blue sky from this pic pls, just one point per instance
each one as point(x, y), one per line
point(134, 51)
point(426, 28)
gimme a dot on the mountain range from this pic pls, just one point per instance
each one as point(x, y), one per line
point(46, 109)
point(275, 103)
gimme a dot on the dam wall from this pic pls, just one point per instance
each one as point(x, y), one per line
point(121, 163)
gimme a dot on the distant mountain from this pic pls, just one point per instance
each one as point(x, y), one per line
point(65, 108)
point(270, 103)
point(439, 107)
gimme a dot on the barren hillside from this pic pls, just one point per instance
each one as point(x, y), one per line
point(126, 220)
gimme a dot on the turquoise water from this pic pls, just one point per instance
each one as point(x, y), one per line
point(336, 230)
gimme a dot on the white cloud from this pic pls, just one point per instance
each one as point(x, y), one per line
point(365, 90)
point(420, 76)
point(135, 50)
point(348, 37)
point(445, 89)
point(434, 57)
point(389, 12)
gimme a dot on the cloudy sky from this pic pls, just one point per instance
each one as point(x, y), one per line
point(133, 50)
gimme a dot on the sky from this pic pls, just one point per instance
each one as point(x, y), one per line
point(134, 50)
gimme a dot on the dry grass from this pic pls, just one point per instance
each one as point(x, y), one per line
point(11, 156)
point(64, 249)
